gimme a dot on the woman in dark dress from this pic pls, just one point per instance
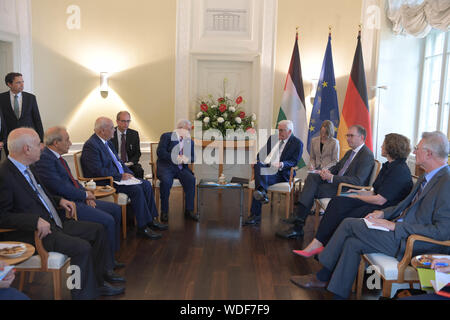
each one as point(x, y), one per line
point(392, 184)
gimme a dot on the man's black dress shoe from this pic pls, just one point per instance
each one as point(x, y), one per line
point(118, 265)
point(261, 196)
point(155, 225)
point(252, 221)
point(293, 220)
point(113, 277)
point(108, 290)
point(191, 215)
point(290, 233)
point(164, 216)
point(148, 233)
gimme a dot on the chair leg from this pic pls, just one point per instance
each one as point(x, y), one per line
point(124, 221)
point(57, 284)
point(287, 203)
point(249, 196)
point(22, 280)
point(360, 279)
point(184, 198)
point(316, 218)
point(387, 286)
point(31, 277)
point(157, 195)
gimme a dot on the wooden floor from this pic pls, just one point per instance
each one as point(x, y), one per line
point(215, 258)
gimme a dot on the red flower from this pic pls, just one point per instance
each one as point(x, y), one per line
point(221, 100)
point(242, 114)
point(222, 108)
point(204, 107)
point(239, 100)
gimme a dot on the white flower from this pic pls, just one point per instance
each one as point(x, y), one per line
point(253, 116)
point(238, 120)
point(213, 106)
point(253, 124)
point(220, 120)
point(227, 95)
point(225, 115)
point(199, 114)
point(206, 120)
point(232, 109)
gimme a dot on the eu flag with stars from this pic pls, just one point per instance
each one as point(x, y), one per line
point(325, 102)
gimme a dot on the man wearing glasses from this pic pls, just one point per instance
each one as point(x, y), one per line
point(126, 141)
point(354, 168)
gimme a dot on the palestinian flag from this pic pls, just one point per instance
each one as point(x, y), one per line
point(356, 106)
point(293, 102)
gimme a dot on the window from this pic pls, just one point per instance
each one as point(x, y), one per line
point(434, 107)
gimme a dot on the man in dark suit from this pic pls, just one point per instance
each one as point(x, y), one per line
point(274, 163)
point(25, 205)
point(354, 168)
point(55, 173)
point(175, 151)
point(425, 211)
point(3, 133)
point(99, 159)
point(20, 108)
point(127, 144)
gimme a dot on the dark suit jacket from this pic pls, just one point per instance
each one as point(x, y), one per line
point(358, 173)
point(290, 156)
point(132, 144)
point(3, 132)
point(29, 117)
point(20, 206)
point(429, 216)
point(96, 160)
point(168, 144)
point(56, 179)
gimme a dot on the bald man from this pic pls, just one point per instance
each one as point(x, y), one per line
point(99, 159)
point(25, 205)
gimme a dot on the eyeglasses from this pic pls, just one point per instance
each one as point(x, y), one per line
point(127, 121)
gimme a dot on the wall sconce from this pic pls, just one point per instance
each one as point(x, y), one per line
point(104, 84)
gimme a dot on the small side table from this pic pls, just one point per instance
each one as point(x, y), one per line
point(25, 256)
point(212, 184)
point(101, 192)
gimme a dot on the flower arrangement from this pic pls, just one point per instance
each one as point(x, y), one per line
point(224, 113)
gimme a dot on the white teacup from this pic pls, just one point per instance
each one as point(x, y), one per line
point(91, 185)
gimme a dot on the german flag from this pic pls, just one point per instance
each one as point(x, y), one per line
point(356, 106)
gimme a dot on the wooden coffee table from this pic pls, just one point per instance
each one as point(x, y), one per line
point(27, 254)
point(101, 192)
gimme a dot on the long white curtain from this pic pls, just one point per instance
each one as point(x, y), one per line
point(418, 17)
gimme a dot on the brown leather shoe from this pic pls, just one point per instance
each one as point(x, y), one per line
point(308, 281)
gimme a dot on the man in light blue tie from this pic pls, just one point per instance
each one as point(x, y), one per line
point(354, 168)
point(99, 159)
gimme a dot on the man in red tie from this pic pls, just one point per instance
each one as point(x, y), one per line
point(127, 144)
point(58, 179)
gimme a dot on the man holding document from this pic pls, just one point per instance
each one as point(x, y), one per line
point(99, 159)
point(425, 211)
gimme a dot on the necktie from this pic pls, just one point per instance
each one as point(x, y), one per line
point(414, 200)
point(346, 164)
point(123, 149)
point(180, 166)
point(63, 162)
point(16, 106)
point(45, 200)
point(114, 159)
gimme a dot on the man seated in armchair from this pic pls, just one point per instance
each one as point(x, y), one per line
point(425, 211)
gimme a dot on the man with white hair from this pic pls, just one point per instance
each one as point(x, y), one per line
point(274, 163)
point(175, 151)
point(25, 205)
point(99, 159)
point(425, 211)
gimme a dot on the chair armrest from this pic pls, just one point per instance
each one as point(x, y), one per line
point(41, 251)
point(111, 181)
point(406, 260)
point(348, 185)
point(74, 215)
